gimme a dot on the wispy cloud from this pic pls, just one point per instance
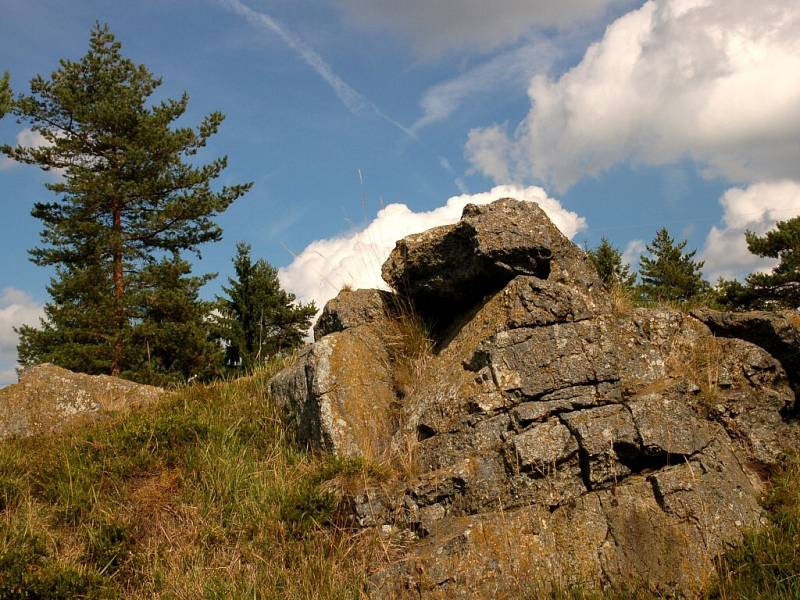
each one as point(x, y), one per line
point(354, 101)
point(509, 69)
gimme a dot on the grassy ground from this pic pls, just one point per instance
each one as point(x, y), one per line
point(203, 496)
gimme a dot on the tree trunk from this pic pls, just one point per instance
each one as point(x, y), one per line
point(119, 292)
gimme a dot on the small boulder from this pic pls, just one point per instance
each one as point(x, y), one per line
point(339, 392)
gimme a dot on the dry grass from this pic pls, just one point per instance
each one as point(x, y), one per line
point(200, 496)
point(204, 495)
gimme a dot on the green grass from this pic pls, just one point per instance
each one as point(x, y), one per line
point(201, 496)
point(206, 496)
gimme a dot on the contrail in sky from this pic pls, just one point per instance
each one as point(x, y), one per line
point(353, 100)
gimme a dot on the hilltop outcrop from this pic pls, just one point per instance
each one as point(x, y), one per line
point(48, 398)
point(550, 436)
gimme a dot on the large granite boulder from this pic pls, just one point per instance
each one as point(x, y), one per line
point(549, 438)
point(48, 398)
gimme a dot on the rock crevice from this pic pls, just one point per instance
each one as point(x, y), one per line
point(553, 438)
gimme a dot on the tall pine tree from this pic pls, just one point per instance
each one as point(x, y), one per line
point(668, 273)
point(259, 319)
point(130, 192)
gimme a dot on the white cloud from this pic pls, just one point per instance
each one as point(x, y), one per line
point(507, 70)
point(16, 308)
point(756, 208)
point(488, 150)
point(437, 26)
point(717, 81)
point(355, 259)
point(28, 138)
point(633, 252)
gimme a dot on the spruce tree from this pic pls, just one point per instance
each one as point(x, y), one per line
point(610, 266)
point(130, 192)
point(781, 286)
point(259, 319)
point(173, 332)
point(668, 273)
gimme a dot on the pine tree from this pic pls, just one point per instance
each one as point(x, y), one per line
point(668, 273)
point(259, 318)
point(781, 286)
point(5, 95)
point(173, 332)
point(130, 192)
point(608, 262)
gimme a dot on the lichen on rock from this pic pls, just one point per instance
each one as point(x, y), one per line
point(554, 439)
point(48, 398)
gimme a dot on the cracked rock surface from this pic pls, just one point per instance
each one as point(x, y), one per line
point(553, 437)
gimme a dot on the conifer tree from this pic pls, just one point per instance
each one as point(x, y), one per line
point(610, 266)
point(130, 192)
point(781, 286)
point(668, 273)
point(173, 332)
point(259, 318)
point(5, 95)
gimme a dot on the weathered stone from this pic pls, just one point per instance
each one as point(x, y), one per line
point(352, 308)
point(667, 427)
point(456, 265)
point(535, 361)
point(48, 398)
point(340, 392)
point(544, 445)
point(776, 332)
point(549, 438)
point(607, 436)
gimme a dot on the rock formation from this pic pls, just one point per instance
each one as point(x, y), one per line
point(48, 398)
point(550, 437)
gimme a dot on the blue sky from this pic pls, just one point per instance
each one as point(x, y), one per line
point(620, 116)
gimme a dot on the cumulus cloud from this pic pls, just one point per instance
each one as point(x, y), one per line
point(507, 70)
point(355, 259)
point(716, 81)
point(16, 308)
point(756, 208)
point(488, 150)
point(633, 252)
point(439, 26)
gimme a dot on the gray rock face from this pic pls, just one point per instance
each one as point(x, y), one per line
point(449, 266)
point(550, 438)
point(49, 398)
point(351, 308)
point(776, 332)
point(339, 392)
